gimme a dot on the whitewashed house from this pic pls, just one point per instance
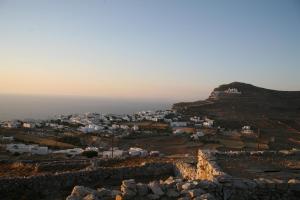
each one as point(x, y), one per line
point(197, 135)
point(246, 131)
point(116, 153)
point(135, 127)
point(178, 124)
point(91, 149)
point(74, 151)
point(28, 125)
point(23, 148)
point(7, 138)
point(135, 151)
point(12, 124)
point(232, 91)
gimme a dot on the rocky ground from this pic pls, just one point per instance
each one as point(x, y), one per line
point(171, 188)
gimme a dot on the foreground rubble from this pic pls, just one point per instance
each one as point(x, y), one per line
point(171, 188)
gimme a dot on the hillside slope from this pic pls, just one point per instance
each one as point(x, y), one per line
point(251, 103)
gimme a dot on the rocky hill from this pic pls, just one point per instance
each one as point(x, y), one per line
point(241, 101)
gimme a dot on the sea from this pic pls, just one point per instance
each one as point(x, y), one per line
point(24, 107)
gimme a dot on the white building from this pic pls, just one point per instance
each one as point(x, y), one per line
point(91, 149)
point(74, 151)
point(178, 124)
point(28, 125)
point(208, 123)
point(134, 151)
point(7, 138)
point(12, 124)
point(197, 135)
point(135, 127)
point(232, 91)
point(23, 148)
point(116, 153)
point(246, 131)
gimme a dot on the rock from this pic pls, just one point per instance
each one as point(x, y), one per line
point(102, 192)
point(187, 186)
point(91, 197)
point(169, 180)
point(153, 196)
point(128, 189)
point(81, 191)
point(178, 180)
point(114, 193)
point(155, 188)
point(130, 183)
point(172, 193)
point(293, 181)
point(142, 189)
point(128, 193)
point(196, 192)
point(207, 196)
point(207, 185)
point(73, 198)
point(239, 184)
point(179, 186)
point(184, 198)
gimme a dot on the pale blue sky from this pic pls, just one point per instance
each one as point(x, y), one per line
point(178, 50)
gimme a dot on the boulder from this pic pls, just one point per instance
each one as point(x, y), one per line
point(172, 193)
point(71, 197)
point(142, 189)
point(155, 188)
point(102, 192)
point(207, 196)
point(130, 183)
point(91, 197)
point(293, 181)
point(196, 192)
point(153, 196)
point(169, 180)
point(128, 188)
point(114, 193)
point(179, 186)
point(81, 191)
point(184, 198)
point(187, 186)
point(128, 193)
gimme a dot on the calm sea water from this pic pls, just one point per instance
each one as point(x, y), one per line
point(44, 107)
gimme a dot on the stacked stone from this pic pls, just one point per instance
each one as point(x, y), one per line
point(172, 188)
point(84, 193)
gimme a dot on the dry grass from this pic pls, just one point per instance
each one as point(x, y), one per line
point(42, 141)
point(234, 144)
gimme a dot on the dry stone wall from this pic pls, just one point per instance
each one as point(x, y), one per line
point(55, 186)
point(232, 188)
point(185, 170)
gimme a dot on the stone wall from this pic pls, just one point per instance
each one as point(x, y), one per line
point(56, 186)
point(207, 168)
point(185, 170)
point(231, 188)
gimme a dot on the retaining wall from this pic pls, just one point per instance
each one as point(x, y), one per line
point(233, 188)
point(56, 186)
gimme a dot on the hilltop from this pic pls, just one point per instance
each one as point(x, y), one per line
point(246, 102)
point(238, 103)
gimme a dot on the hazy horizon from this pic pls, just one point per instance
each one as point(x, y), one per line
point(169, 50)
point(45, 106)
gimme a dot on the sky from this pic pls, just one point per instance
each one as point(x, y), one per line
point(147, 49)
